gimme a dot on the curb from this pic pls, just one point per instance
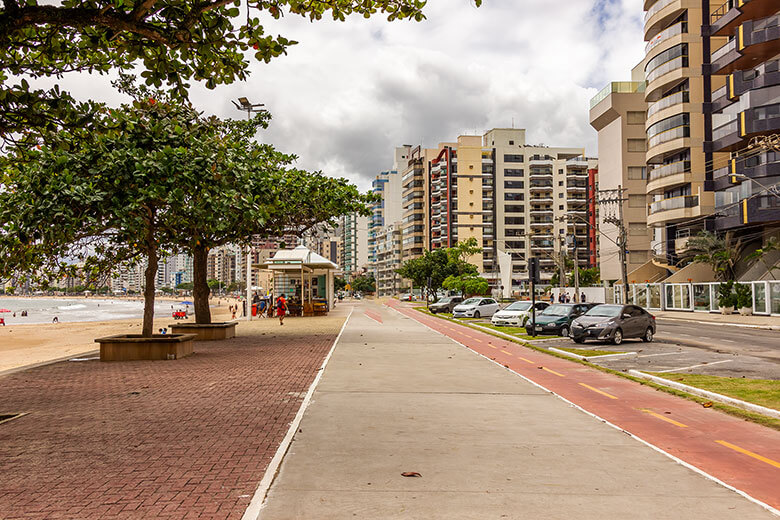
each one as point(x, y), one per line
point(721, 324)
point(709, 395)
point(590, 359)
point(48, 362)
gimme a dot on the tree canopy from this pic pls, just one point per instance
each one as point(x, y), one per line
point(433, 267)
point(467, 284)
point(171, 42)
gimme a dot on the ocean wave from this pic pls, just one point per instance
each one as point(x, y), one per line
point(72, 307)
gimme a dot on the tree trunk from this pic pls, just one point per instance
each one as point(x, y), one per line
point(150, 276)
point(200, 286)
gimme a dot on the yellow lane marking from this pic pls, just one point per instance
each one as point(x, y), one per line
point(476, 339)
point(749, 453)
point(553, 372)
point(491, 346)
point(598, 391)
point(507, 353)
point(526, 360)
point(659, 416)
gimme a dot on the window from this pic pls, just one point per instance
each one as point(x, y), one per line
point(513, 184)
point(560, 183)
point(636, 145)
point(560, 207)
point(513, 196)
point(667, 124)
point(560, 171)
point(514, 221)
point(635, 118)
point(637, 201)
point(487, 168)
point(637, 173)
point(560, 195)
point(511, 143)
point(510, 157)
point(513, 172)
point(514, 208)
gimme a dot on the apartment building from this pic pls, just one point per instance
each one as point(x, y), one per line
point(388, 186)
point(415, 199)
point(388, 259)
point(745, 59)
point(353, 244)
point(678, 165)
point(224, 264)
point(513, 198)
point(617, 113)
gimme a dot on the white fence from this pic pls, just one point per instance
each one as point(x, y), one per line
point(697, 297)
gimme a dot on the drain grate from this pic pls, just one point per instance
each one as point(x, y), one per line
point(4, 418)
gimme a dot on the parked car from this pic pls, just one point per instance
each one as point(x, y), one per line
point(557, 318)
point(446, 304)
point(517, 313)
point(477, 307)
point(614, 322)
point(406, 297)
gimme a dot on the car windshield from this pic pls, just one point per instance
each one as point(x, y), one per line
point(607, 311)
point(471, 301)
point(445, 300)
point(557, 310)
point(519, 306)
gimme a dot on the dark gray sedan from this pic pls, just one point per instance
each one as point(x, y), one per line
point(614, 323)
point(445, 304)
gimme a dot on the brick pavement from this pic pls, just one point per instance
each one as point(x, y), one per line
point(184, 439)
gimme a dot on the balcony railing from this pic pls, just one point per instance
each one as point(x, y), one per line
point(683, 201)
point(722, 51)
point(668, 101)
point(675, 63)
point(718, 13)
point(724, 130)
point(672, 30)
point(660, 4)
point(670, 169)
point(617, 87)
point(669, 135)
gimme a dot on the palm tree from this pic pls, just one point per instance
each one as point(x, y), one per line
point(721, 253)
point(772, 245)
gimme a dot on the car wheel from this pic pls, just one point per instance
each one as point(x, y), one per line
point(578, 340)
point(617, 339)
point(476, 314)
point(648, 337)
point(565, 331)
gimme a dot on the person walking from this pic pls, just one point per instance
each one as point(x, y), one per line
point(582, 298)
point(281, 308)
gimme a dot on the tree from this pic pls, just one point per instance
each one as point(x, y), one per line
point(433, 267)
point(721, 253)
point(364, 284)
point(171, 41)
point(339, 283)
point(184, 286)
point(760, 255)
point(467, 284)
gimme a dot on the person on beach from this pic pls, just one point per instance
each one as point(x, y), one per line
point(2, 322)
point(55, 320)
point(281, 308)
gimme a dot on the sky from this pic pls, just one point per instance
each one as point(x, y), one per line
point(350, 92)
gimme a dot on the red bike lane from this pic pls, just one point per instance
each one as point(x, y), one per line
point(741, 454)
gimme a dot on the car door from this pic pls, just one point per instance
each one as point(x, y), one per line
point(489, 307)
point(632, 325)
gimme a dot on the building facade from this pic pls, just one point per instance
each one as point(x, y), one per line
point(353, 245)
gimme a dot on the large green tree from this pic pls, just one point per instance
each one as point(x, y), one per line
point(171, 42)
point(433, 267)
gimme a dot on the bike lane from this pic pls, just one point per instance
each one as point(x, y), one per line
point(741, 454)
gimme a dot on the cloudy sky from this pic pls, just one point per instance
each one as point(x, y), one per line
point(350, 92)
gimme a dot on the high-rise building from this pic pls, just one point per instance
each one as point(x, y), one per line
point(415, 199)
point(746, 57)
point(388, 259)
point(514, 199)
point(617, 112)
point(678, 166)
point(354, 244)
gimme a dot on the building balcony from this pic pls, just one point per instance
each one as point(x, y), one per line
point(542, 224)
point(540, 200)
point(541, 211)
point(666, 74)
point(576, 188)
point(673, 209)
point(540, 162)
point(759, 209)
point(577, 211)
point(755, 41)
point(739, 82)
point(669, 32)
point(576, 200)
point(540, 175)
point(749, 123)
point(542, 244)
point(540, 187)
point(766, 164)
point(659, 14)
point(677, 100)
point(668, 176)
point(725, 19)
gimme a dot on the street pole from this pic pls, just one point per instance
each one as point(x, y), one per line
point(611, 197)
point(250, 108)
point(576, 272)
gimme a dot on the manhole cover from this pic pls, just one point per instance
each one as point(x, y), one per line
point(9, 417)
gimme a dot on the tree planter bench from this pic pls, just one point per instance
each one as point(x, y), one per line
point(206, 331)
point(134, 347)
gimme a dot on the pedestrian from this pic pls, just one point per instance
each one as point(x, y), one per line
point(561, 298)
point(552, 298)
point(160, 331)
point(234, 312)
point(55, 320)
point(2, 322)
point(568, 298)
point(582, 298)
point(281, 308)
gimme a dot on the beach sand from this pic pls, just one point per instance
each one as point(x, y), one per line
point(22, 345)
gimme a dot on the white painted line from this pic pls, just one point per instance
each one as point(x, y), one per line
point(678, 460)
point(47, 362)
point(662, 354)
point(258, 499)
point(709, 395)
point(369, 316)
point(695, 366)
point(727, 340)
point(589, 358)
point(743, 325)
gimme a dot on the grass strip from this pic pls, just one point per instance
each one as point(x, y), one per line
point(763, 420)
point(764, 392)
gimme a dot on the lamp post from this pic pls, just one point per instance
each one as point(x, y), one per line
point(250, 108)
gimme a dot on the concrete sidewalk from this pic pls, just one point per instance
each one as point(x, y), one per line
point(735, 320)
point(397, 397)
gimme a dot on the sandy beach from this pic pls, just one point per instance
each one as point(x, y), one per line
point(22, 345)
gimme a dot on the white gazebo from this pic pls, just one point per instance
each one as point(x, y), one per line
point(303, 275)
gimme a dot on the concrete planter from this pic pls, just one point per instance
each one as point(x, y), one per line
point(206, 331)
point(726, 310)
point(134, 347)
point(745, 311)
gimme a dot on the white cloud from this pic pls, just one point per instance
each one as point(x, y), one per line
point(350, 92)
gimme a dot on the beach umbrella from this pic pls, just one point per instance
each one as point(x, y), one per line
point(4, 310)
point(186, 303)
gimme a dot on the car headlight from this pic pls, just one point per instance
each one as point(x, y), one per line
point(602, 325)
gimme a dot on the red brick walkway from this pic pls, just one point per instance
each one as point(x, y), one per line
point(184, 439)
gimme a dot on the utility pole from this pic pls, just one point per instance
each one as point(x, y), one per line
point(608, 199)
point(576, 272)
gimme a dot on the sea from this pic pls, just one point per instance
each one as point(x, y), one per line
point(43, 310)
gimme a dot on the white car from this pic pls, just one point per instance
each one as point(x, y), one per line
point(516, 314)
point(475, 308)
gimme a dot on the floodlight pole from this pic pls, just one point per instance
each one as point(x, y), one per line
point(249, 108)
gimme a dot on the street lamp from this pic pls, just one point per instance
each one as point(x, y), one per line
point(250, 108)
